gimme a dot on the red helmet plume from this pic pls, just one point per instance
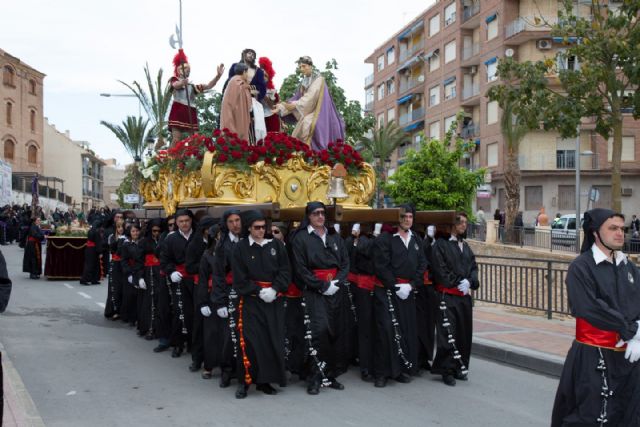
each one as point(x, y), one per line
point(265, 64)
point(178, 60)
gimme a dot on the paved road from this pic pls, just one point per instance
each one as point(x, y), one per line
point(82, 369)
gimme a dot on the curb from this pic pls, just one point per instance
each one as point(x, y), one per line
point(17, 399)
point(517, 356)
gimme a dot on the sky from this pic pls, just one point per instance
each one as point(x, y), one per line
point(85, 47)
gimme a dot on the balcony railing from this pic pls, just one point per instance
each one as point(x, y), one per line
point(405, 85)
point(415, 115)
point(368, 81)
point(527, 23)
point(470, 131)
point(471, 51)
point(368, 106)
point(415, 48)
point(470, 11)
point(469, 91)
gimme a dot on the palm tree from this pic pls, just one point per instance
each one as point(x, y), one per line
point(379, 147)
point(155, 101)
point(513, 129)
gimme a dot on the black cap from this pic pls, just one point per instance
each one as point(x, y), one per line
point(593, 220)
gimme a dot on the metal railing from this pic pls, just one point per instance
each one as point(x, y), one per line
point(416, 114)
point(368, 106)
point(470, 131)
point(470, 11)
point(469, 91)
point(368, 81)
point(407, 84)
point(404, 55)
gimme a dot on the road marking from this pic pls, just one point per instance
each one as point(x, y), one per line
point(101, 304)
point(82, 294)
point(68, 285)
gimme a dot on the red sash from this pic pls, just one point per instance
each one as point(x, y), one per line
point(33, 239)
point(293, 291)
point(367, 281)
point(91, 244)
point(352, 277)
point(228, 279)
point(326, 275)
point(116, 257)
point(588, 334)
point(180, 268)
point(450, 291)
point(150, 260)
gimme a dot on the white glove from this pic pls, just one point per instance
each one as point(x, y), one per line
point(176, 277)
point(130, 280)
point(223, 312)
point(404, 289)
point(206, 311)
point(431, 231)
point(632, 353)
point(464, 286)
point(332, 289)
point(268, 295)
point(122, 236)
point(142, 284)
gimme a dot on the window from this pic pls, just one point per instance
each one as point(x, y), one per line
point(434, 61)
point(566, 197)
point(8, 76)
point(434, 130)
point(492, 155)
point(565, 159)
point(380, 91)
point(32, 87)
point(628, 148)
point(434, 25)
point(434, 96)
point(380, 120)
point(450, 51)
point(450, 14)
point(368, 96)
point(448, 121)
point(532, 197)
point(9, 114)
point(391, 86)
point(9, 150)
point(32, 120)
point(492, 112)
point(492, 69)
point(492, 28)
point(391, 55)
point(380, 62)
point(450, 90)
point(391, 115)
point(566, 62)
point(32, 154)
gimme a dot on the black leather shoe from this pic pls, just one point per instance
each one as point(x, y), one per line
point(367, 377)
point(160, 348)
point(241, 392)
point(195, 366)
point(225, 379)
point(449, 380)
point(460, 376)
point(313, 388)
point(335, 384)
point(266, 389)
point(380, 382)
point(177, 352)
point(403, 378)
point(149, 337)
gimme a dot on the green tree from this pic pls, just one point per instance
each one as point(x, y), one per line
point(208, 106)
point(432, 178)
point(127, 186)
point(356, 124)
point(155, 100)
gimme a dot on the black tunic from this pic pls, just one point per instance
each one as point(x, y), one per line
point(394, 261)
point(91, 270)
point(262, 323)
point(114, 290)
point(132, 254)
point(148, 303)
point(195, 249)
point(608, 297)
point(32, 259)
point(213, 327)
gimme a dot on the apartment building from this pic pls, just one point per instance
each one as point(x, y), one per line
point(445, 60)
point(92, 179)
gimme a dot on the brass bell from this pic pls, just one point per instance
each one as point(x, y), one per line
point(336, 183)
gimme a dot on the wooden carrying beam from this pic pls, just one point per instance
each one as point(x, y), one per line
point(435, 217)
point(269, 210)
point(297, 214)
point(389, 215)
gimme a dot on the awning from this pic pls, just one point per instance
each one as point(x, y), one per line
point(417, 26)
point(430, 54)
point(404, 34)
point(449, 80)
point(414, 126)
point(563, 40)
point(410, 62)
point(405, 99)
point(391, 48)
point(477, 141)
point(491, 18)
point(491, 61)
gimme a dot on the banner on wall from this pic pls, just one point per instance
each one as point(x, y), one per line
point(5, 183)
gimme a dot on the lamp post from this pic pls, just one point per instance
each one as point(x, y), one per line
point(378, 165)
point(578, 160)
point(124, 95)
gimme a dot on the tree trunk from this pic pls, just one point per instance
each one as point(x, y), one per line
point(512, 190)
point(616, 160)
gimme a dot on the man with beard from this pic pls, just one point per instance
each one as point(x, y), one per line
point(172, 260)
point(600, 381)
point(321, 266)
point(222, 296)
point(261, 274)
point(256, 77)
point(400, 265)
point(455, 272)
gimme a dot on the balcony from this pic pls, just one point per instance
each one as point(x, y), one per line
point(469, 12)
point(368, 107)
point(409, 84)
point(470, 131)
point(470, 91)
point(471, 51)
point(406, 118)
point(561, 160)
point(526, 28)
point(415, 48)
point(368, 81)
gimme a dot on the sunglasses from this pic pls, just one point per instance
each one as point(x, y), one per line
point(275, 231)
point(258, 227)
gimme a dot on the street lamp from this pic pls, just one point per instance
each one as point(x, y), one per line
point(578, 164)
point(150, 141)
point(124, 95)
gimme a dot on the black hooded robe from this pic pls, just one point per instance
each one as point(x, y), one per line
point(32, 259)
point(91, 271)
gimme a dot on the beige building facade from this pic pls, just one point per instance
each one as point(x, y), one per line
point(64, 160)
point(113, 176)
point(21, 115)
point(445, 60)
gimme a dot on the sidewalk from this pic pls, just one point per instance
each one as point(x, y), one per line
point(19, 409)
point(523, 339)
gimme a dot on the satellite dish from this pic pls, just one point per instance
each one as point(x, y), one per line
point(509, 53)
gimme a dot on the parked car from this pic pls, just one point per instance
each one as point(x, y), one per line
point(563, 231)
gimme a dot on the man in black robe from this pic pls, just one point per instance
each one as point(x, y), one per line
point(91, 272)
point(261, 274)
point(321, 266)
point(400, 265)
point(32, 259)
point(221, 294)
point(600, 381)
point(455, 272)
point(164, 312)
point(172, 261)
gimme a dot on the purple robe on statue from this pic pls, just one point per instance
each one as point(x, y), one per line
point(318, 120)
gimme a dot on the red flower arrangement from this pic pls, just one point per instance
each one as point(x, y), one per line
point(339, 152)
